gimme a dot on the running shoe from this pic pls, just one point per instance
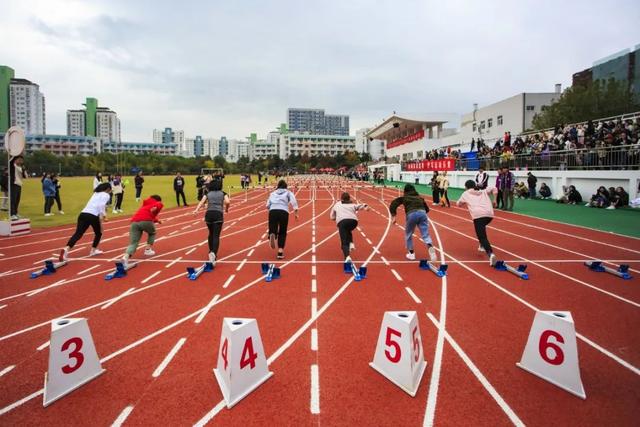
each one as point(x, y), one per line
point(64, 255)
point(272, 240)
point(280, 255)
point(95, 251)
point(351, 246)
point(432, 253)
point(480, 248)
point(347, 259)
point(411, 256)
point(492, 259)
point(212, 258)
point(149, 252)
point(61, 212)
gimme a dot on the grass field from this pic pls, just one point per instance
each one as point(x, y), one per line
point(76, 191)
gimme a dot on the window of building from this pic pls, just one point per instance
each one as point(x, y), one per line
point(531, 107)
point(499, 120)
point(482, 126)
point(489, 123)
point(474, 127)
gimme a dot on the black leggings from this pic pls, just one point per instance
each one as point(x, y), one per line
point(86, 220)
point(119, 198)
point(444, 196)
point(278, 223)
point(345, 227)
point(480, 224)
point(435, 192)
point(213, 219)
point(178, 194)
point(48, 203)
point(58, 201)
point(138, 191)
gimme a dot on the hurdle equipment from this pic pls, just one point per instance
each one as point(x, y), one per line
point(551, 352)
point(270, 271)
point(242, 364)
point(441, 271)
point(50, 267)
point(358, 273)
point(73, 360)
point(598, 266)
point(520, 271)
point(120, 270)
point(399, 356)
point(194, 273)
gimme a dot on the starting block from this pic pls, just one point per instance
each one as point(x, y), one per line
point(441, 271)
point(358, 273)
point(50, 267)
point(503, 266)
point(270, 271)
point(194, 273)
point(120, 270)
point(598, 266)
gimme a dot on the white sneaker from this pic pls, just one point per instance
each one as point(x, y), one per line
point(212, 258)
point(587, 204)
point(432, 253)
point(125, 262)
point(347, 259)
point(611, 207)
point(351, 246)
point(115, 211)
point(14, 217)
point(272, 240)
point(61, 212)
point(48, 214)
point(480, 248)
point(64, 255)
point(411, 256)
point(492, 259)
point(149, 252)
point(95, 251)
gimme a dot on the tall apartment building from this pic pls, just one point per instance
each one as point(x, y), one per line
point(170, 136)
point(223, 146)
point(296, 144)
point(200, 147)
point(315, 122)
point(101, 122)
point(21, 104)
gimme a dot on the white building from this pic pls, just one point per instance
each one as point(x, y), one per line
point(170, 136)
point(237, 149)
point(514, 114)
point(27, 107)
point(199, 147)
point(76, 122)
point(264, 148)
point(364, 144)
point(295, 144)
point(107, 125)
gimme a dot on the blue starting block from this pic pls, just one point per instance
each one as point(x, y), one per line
point(194, 273)
point(441, 271)
point(120, 270)
point(50, 267)
point(520, 271)
point(270, 271)
point(358, 273)
point(622, 271)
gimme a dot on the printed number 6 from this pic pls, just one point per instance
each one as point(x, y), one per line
point(389, 342)
point(544, 344)
point(75, 354)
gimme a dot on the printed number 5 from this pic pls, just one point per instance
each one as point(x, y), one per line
point(390, 343)
point(75, 354)
point(544, 344)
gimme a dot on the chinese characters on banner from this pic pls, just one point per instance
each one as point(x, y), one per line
point(431, 165)
point(409, 138)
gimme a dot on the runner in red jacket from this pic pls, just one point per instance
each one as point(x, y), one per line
point(144, 221)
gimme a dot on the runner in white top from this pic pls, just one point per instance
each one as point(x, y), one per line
point(344, 213)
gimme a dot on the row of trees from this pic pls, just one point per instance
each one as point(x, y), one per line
point(582, 103)
point(127, 163)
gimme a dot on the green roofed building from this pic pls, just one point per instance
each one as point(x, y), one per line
point(100, 122)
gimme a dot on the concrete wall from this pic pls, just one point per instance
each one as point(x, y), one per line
point(586, 182)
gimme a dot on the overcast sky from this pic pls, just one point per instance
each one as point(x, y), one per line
point(229, 68)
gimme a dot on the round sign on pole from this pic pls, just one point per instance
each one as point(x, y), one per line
point(14, 141)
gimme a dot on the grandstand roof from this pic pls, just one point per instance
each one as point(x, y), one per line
point(388, 129)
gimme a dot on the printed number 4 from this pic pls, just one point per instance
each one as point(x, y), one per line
point(395, 358)
point(75, 354)
point(544, 344)
point(249, 356)
point(223, 352)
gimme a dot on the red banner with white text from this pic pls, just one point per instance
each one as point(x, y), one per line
point(430, 165)
point(409, 138)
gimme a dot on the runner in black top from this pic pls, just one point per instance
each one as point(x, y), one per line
point(217, 201)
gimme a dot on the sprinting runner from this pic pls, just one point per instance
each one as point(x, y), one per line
point(91, 216)
point(278, 205)
point(416, 210)
point(480, 205)
point(144, 220)
point(216, 200)
point(344, 213)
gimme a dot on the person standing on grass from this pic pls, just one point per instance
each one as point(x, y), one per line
point(435, 189)
point(143, 221)
point(117, 188)
point(444, 190)
point(218, 203)
point(138, 182)
point(49, 191)
point(416, 211)
point(178, 187)
point(344, 213)
point(91, 216)
point(480, 205)
point(278, 205)
point(56, 183)
point(16, 176)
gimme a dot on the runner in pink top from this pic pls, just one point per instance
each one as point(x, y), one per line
point(480, 205)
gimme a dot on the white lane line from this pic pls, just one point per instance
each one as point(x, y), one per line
point(53, 285)
point(43, 346)
point(250, 252)
point(150, 277)
point(168, 358)
point(395, 273)
point(384, 260)
point(173, 262)
point(313, 259)
point(173, 232)
point(207, 308)
point(190, 251)
point(3, 306)
point(185, 227)
point(313, 248)
point(88, 269)
point(244, 261)
point(123, 416)
point(414, 296)
point(7, 370)
point(314, 339)
point(313, 270)
point(369, 241)
point(314, 306)
point(228, 281)
point(315, 390)
point(118, 298)
point(314, 285)
point(476, 372)
point(22, 401)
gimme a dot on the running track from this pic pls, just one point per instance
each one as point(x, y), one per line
point(319, 327)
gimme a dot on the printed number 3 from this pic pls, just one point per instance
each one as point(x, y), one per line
point(395, 358)
point(75, 354)
point(544, 344)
